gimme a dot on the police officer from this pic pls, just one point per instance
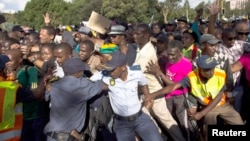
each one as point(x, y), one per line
point(68, 99)
point(123, 83)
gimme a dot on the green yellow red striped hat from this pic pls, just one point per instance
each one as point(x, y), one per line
point(108, 48)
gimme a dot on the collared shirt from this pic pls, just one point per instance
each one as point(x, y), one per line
point(234, 53)
point(188, 53)
point(27, 76)
point(143, 57)
point(222, 63)
point(123, 95)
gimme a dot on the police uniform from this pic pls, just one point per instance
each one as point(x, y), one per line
point(128, 116)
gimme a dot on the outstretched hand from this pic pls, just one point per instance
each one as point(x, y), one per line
point(196, 116)
point(153, 68)
point(199, 12)
point(48, 76)
point(214, 8)
point(148, 101)
point(47, 19)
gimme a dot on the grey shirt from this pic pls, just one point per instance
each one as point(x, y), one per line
point(68, 97)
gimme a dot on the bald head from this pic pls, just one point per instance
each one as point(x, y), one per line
point(15, 56)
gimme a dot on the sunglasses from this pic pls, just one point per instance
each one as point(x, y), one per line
point(113, 36)
point(243, 33)
point(231, 38)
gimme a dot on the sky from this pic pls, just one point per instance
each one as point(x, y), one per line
point(18, 5)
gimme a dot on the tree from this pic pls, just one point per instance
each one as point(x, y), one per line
point(34, 10)
point(129, 10)
point(168, 7)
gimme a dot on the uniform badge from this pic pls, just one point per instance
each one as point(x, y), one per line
point(112, 82)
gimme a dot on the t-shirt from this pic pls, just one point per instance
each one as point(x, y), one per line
point(27, 76)
point(177, 72)
point(245, 61)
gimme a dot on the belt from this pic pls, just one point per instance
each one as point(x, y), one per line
point(60, 136)
point(128, 118)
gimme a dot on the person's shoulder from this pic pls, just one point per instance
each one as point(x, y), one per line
point(135, 68)
point(186, 60)
point(220, 72)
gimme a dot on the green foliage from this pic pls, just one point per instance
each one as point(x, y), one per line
point(71, 13)
point(129, 10)
point(7, 26)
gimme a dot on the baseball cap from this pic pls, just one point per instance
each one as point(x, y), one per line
point(84, 30)
point(192, 33)
point(171, 22)
point(74, 65)
point(162, 38)
point(208, 38)
point(206, 62)
point(3, 60)
point(17, 28)
point(182, 19)
point(116, 59)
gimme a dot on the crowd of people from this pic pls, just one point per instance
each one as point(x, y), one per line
point(136, 82)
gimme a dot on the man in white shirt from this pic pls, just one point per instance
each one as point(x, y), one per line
point(146, 53)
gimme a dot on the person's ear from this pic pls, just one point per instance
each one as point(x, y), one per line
point(202, 46)
point(124, 67)
point(51, 37)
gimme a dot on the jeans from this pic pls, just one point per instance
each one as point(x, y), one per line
point(238, 93)
point(143, 126)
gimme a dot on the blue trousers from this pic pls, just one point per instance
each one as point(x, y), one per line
point(143, 126)
point(33, 130)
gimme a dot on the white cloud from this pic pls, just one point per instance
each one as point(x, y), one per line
point(12, 5)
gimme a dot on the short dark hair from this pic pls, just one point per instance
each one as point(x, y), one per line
point(50, 29)
point(12, 41)
point(64, 46)
point(175, 44)
point(4, 35)
point(227, 31)
point(145, 27)
point(48, 45)
point(89, 43)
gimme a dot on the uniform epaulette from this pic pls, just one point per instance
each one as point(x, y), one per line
point(135, 68)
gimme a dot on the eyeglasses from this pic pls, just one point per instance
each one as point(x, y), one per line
point(113, 36)
point(231, 38)
point(243, 33)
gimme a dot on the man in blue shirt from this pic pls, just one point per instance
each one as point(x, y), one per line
point(68, 100)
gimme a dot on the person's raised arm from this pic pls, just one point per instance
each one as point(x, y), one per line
point(47, 19)
point(214, 9)
point(154, 69)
